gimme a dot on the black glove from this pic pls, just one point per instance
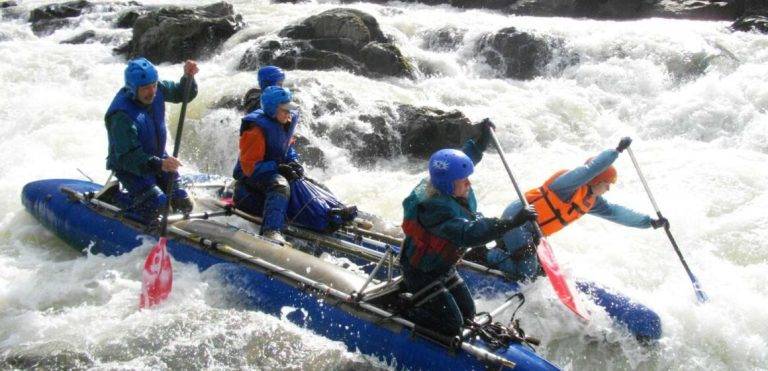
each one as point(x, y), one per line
point(485, 134)
point(623, 144)
point(287, 171)
point(527, 214)
point(297, 168)
point(660, 222)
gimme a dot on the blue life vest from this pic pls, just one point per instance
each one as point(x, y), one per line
point(278, 139)
point(149, 121)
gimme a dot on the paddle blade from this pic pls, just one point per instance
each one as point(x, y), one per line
point(157, 276)
point(700, 295)
point(557, 278)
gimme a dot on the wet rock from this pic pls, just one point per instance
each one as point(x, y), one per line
point(385, 59)
point(249, 102)
point(345, 39)
point(81, 38)
point(309, 154)
point(515, 54)
point(444, 39)
point(174, 34)
point(405, 130)
point(425, 130)
point(751, 23)
point(7, 4)
point(48, 18)
point(128, 18)
point(374, 140)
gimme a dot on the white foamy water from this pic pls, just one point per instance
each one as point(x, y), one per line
point(691, 94)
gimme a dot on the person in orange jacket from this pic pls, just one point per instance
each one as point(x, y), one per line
point(564, 198)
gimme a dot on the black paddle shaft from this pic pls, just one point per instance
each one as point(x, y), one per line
point(700, 295)
point(176, 144)
point(512, 177)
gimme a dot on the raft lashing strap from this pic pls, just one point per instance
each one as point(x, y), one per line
point(496, 335)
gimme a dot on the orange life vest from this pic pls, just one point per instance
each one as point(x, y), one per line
point(554, 213)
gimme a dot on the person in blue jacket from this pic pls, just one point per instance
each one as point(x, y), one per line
point(136, 129)
point(561, 200)
point(440, 223)
point(268, 161)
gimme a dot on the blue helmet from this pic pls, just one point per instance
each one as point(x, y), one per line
point(270, 76)
point(272, 97)
point(447, 166)
point(138, 73)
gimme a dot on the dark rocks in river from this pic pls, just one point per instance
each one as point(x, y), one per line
point(309, 154)
point(48, 18)
point(751, 23)
point(406, 130)
point(128, 18)
point(81, 38)
point(339, 38)
point(425, 130)
point(7, 4)
point(174, 34)
point(516, 54)
point(247, 103)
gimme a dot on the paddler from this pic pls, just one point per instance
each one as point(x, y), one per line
point(563, 198)
point(268, 162)
point(136, 130)
point(440, 223)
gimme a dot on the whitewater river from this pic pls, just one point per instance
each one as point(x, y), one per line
point(692, 95)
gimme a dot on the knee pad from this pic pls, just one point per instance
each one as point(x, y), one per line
point(280, 185)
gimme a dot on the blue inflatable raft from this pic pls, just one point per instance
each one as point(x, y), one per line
point(359, 310)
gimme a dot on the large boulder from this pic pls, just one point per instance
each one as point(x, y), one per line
point(425, 130)
point(405, 130)
point(174, 34)
point(515, 54)
point(48, 18)
point(346, 39)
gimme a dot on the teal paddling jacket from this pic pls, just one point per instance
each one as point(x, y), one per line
point(445, 226)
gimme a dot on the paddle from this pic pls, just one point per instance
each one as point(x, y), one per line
point(157, 276)
point(700, 295)
point(544, 251)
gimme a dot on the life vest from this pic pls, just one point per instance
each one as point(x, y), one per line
point(554, 214)
point(423, 250)
point(277, 137)
point(150, 127)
